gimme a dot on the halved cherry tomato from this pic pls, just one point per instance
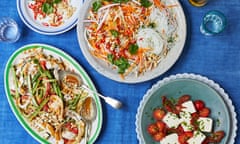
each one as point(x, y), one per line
point(161, 126)
point(152, 129)
point(199, 104)
point(180, 130)
point(159, 136)
point(184, 137)
point(158, 114)
point(204, 112)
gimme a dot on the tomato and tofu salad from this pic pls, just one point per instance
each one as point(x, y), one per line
point(183, 121)
point(51, 13)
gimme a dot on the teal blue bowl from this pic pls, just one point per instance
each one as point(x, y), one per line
point(174, 89)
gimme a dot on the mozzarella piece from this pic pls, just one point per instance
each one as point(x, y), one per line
point(188, 106)
point(185, 118)
point(197, 138)
point(205, 124)
point(170, 139)
point(149, 38)
point(171, 120)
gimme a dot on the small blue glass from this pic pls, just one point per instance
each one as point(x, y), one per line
point(214, 22)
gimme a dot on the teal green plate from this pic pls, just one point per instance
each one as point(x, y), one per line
point(50, 50)
point(222, 110)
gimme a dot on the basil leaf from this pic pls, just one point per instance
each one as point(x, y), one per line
point(96, 5)
point(145, 3)
point(114, 33)
point(133, 48)
point(47, 8)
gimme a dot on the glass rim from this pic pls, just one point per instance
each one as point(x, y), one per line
point(16, 27)
point(218, 13)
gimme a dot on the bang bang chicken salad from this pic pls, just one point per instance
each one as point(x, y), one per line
point(49, 106)
point(132, 36)
point(183, 121)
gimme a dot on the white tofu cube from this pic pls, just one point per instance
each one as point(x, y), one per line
point(188, 106)
point(185, 118)
point(170, 139)
point(205, 124)
point(197, 138)
point(171, 120)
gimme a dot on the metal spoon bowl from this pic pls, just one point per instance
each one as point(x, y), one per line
point(88, 113)
point(72, 79)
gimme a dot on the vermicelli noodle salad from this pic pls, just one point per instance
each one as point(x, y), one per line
point(50, 106)
point(132, 36)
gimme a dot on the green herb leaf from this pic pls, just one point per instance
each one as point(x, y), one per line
point(96, 5)
point(110, 58)
point(122, 64)
point(152, 25)
point(56, 1)
point(146, 3)
point(170, 40)
point(114, 33)
point(120, 1)
point(47, 8)
point(133, 48)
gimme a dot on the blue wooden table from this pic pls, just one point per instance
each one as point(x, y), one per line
point(216, 57)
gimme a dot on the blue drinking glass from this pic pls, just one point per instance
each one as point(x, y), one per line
point(214, 22)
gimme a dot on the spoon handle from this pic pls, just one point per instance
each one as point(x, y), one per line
point(111, 101)
point(88, 129)
point(86, 133)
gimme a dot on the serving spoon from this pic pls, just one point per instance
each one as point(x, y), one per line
point(72, 79)
point(88, 113)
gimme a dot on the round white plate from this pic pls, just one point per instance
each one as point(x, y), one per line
point(50, 50)
point(104, 69)
point(198, 87)
point(27, 17)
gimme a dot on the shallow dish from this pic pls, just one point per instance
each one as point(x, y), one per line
point(198, 87)
point(55, 52)
point(108, 70)
point(37, 25)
